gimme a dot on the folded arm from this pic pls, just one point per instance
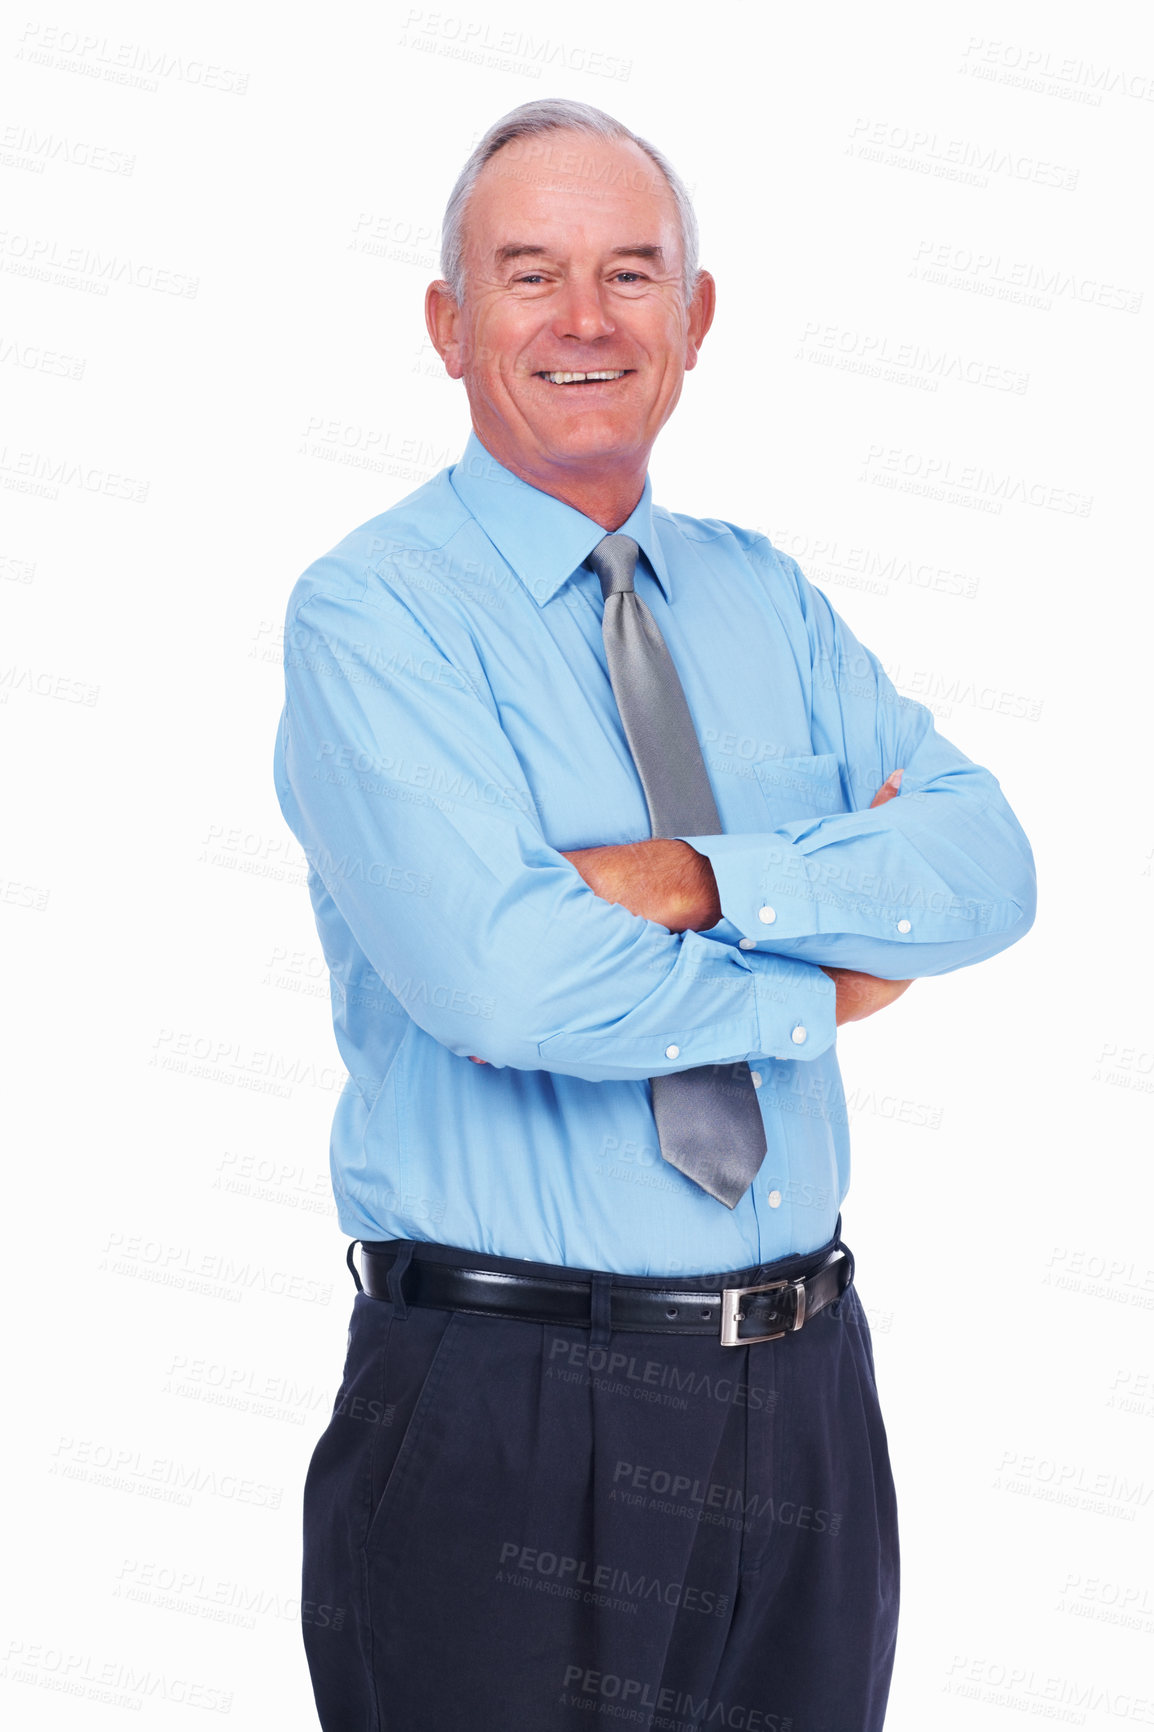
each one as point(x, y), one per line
point(934, 880)
point(670, 882)
point(390, 761)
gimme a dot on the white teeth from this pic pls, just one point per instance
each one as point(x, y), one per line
point(573, 378)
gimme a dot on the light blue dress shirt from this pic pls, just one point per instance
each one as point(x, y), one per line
point(449, 727)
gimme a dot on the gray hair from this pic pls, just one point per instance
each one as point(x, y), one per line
point(556, 115)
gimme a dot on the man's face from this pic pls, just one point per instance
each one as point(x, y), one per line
point(573, 267)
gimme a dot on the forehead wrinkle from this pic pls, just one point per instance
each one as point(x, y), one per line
point(530, 249)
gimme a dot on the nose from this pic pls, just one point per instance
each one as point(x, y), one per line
point(581, 311)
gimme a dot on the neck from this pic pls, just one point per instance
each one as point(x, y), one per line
point(607, 496)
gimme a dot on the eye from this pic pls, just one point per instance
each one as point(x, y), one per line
point(629, 276)
point(530, 277)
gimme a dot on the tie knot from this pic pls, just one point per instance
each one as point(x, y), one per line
point(614, 560)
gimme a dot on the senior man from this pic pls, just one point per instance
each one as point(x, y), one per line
point(610, 822)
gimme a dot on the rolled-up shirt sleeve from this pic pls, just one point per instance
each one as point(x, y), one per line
point(940, 877)
point(392, 759)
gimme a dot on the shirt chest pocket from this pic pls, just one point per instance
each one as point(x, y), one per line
point(802, 787)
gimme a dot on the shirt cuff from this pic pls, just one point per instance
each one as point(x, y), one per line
point(756, 889)
point(796, 1007)
point(743, 1006)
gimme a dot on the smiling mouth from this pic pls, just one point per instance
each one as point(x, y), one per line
point(584, 378)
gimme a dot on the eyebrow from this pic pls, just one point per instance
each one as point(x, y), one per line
point(525, 250)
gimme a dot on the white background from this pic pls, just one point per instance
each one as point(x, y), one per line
point(928, 380)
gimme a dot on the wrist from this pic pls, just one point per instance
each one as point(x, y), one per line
point(701, 905)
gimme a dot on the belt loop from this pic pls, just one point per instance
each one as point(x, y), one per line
point(350, 1260)
point(397, 1269)
point(600, 1310)
point(836, 1308)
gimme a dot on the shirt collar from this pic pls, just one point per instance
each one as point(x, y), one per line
point(542, 538)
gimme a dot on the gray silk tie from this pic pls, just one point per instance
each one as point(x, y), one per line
point(708, 1121)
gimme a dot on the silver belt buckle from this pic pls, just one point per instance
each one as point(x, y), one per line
point(732, 1315)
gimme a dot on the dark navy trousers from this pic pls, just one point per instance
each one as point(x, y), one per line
point(521, 1527)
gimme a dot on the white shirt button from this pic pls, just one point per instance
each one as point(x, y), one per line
point(903, 925)
point(799, 1036)
point(755, 1078)
point(767, 915)
point(774, 1199)
point(673, 1052)
point(746, 943)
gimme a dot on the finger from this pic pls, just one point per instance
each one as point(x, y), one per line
point(888, 789)
point(473, 1060)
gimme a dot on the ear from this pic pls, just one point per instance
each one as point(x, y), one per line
point(443, 320)
point(702, 307)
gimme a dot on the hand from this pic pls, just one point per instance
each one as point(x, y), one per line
point(888, 790)
point(860, 995)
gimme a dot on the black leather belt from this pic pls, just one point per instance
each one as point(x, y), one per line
point(736, 1315)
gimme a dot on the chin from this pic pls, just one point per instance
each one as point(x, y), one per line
point(588, 439)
